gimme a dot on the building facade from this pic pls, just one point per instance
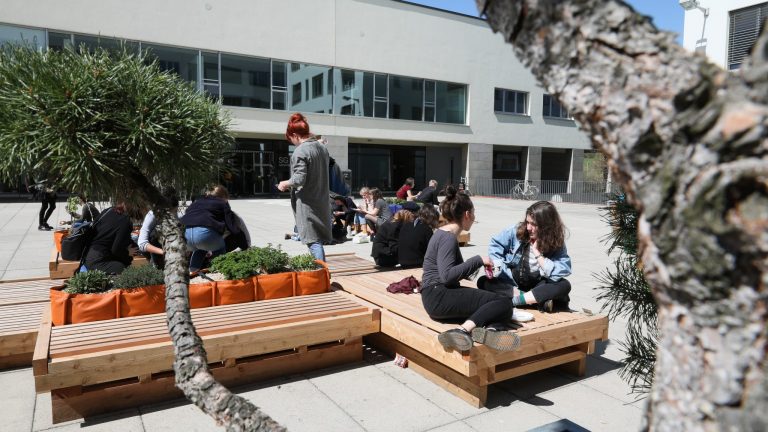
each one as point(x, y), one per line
point(398, 90)
point(723, 30)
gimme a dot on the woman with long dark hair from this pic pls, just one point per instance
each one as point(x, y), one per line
point(533, 260)
point(484, 313)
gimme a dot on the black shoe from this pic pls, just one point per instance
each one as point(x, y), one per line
point(44, 228)
point(456, 339)
point(49, 227)
point(500, 340)
point(548, 306)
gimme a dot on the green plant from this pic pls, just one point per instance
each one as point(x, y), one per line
point(72, 203)
point(90, 282)
point(304, 262)
point(138, 276)
point(394, 200)
point(235, 265)
point(270, 259)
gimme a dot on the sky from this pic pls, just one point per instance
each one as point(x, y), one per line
point(666, 14)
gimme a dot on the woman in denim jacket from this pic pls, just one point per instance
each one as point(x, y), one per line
point(531, 260)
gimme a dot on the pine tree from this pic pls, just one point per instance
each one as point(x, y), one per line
point(624, 292)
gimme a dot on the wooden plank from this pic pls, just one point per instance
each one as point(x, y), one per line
point(466, 388)
point(26, 291)
point(535, 363)
point(40, 356)
point(132, 393)
point(112, 365)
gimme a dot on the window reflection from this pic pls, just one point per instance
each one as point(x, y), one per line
point(245, 81)
point(451, 102)
point(309, 84)
point(22, 35)
point(406, 98)
point(182, 62)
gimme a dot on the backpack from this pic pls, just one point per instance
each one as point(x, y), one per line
point(336, 180)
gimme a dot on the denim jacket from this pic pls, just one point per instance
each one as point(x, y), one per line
point(506, 250)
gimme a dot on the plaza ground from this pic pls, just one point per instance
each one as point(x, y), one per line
point(372, 395)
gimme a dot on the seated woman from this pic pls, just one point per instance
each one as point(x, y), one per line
point(149, 243)
point(406, 190)
point(380, 212)
point(484, 313)
point(385, 243)
point(533, 260)
point(343, 209)
point(359, 221)
point(414, 237)
point(111, 249)
point(205, 220)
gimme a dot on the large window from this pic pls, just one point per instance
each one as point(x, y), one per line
point(245, 81)
point(510, 101)
point(406, 98)
point(307, 83)
point(451, 102)
point(279, 85)
point(22, 35)
point(552, 108)
point(744, 27)
point(183, 62)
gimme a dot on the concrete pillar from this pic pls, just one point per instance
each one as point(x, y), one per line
point(533, 164)
point(576, 176)
point(338, 148)
point(480, 168)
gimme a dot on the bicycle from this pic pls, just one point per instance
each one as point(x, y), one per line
point(524, 190)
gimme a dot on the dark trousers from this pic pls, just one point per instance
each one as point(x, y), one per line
point(544, 290)
point(47, 208)
point(481, 307)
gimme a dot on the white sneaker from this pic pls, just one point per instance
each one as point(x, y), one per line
point(360, 239)
point(521, 316)
point(351, 234)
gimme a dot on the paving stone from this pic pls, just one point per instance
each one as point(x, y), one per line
point(519, 416)
point(17, 400)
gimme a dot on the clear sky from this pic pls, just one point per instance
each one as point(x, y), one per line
point(667, 14)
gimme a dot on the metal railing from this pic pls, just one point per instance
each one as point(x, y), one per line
point(549, 190)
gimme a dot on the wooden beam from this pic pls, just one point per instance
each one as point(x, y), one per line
point(40, 355)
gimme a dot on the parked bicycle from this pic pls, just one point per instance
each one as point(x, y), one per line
point(524, 189)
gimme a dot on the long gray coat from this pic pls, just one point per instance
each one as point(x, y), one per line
point(309, 192)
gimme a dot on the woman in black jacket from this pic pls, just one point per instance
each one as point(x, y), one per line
point(111, 249)
point(206, 220)
point(415, 236)
point(385, 242)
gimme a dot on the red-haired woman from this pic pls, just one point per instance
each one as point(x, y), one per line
point(309, 186)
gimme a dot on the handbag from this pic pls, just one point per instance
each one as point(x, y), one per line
point(76, 244)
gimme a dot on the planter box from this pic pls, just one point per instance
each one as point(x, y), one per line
point(79, 308)
point(58, 236)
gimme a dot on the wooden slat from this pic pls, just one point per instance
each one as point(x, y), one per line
point(536, 363)
point(345, 263)
point(40, 356)
point(26, 291)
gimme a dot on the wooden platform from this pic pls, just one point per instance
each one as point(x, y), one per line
point(102, 366)
point(59, 268)
point(563, 338)
point(21, 306)
point(348, 263)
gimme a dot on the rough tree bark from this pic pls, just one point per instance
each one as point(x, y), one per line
point(689, 143)
point(190, 364)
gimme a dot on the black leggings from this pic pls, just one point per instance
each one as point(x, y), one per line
point(46, 209)
point(544, 290)
point(481, 307)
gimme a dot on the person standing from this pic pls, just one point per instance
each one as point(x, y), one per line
point(46, 192)
point(309, 186)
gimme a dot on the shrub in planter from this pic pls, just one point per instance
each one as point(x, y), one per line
point(394, 200)
point(90, 282)
point(304, 262)
point(142, 290)
point(312, 276)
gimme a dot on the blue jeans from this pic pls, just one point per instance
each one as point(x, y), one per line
point(317, 251)
point(201, 240)
point(359, 219)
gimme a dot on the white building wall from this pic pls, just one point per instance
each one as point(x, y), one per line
point(373, 35)
point(712, 31)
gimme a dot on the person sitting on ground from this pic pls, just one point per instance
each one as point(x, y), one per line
point(380, 212)
point(429, 194)
point(111, 249)
point(414, 237)
point(384, 249)
point(484, 313)
point(406, 190)
point(205, 220)
point(533, 260)
point(88, 212)
point(149, 240)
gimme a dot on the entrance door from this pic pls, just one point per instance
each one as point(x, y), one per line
point(250, 173)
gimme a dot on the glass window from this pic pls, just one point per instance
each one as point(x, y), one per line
point(406, 98)
point(279, 85)
point(451, 102)
point(59, 41)
point(510, 101)
point(22, 35)
point(498, 100)
point(306, 83)
point(296, 94)
point(317, 86)
point(552, 108)
point(429, 101)
point(380, 95)
point(211, 81)
point(354, 93)
point(743, 29)
point(183, 62)
point(245, 81)
point(91, 43)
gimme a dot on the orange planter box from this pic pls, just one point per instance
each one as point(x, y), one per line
point(313, 282)
point(58, 236)
point(233, 292)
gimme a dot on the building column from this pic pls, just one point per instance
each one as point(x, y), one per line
point(576, 176)
point(338, 148)
point(479, 168)
point(533, 164)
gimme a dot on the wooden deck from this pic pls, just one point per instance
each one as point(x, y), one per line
point(97, 367)
point(563, 338)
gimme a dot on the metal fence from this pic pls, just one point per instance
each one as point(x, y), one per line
point(549, 190)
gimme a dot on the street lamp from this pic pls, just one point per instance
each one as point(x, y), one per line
point(694, 4)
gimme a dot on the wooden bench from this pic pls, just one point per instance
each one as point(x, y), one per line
point(59, 268)
point(21, 306)
point(557, 339)
point(348, 263)
point(97, 367)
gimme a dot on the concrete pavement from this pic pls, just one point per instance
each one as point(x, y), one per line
point(373, 395)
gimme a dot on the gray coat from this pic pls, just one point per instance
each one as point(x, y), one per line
point(309, 192)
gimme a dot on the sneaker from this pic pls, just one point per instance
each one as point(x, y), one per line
point(44, 228)
point(548, 306)
point(351, 234)
point(456, 339)
point(521, 316)
point(500, 340)
point(48, 226)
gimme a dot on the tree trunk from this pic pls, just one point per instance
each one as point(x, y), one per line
point(688, 143)
point(190, 364)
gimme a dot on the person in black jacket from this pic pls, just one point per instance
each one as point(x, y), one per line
point(111, 249)
point(206, 220)
point(415, 236)
point(385, 242)
point(428, 195)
